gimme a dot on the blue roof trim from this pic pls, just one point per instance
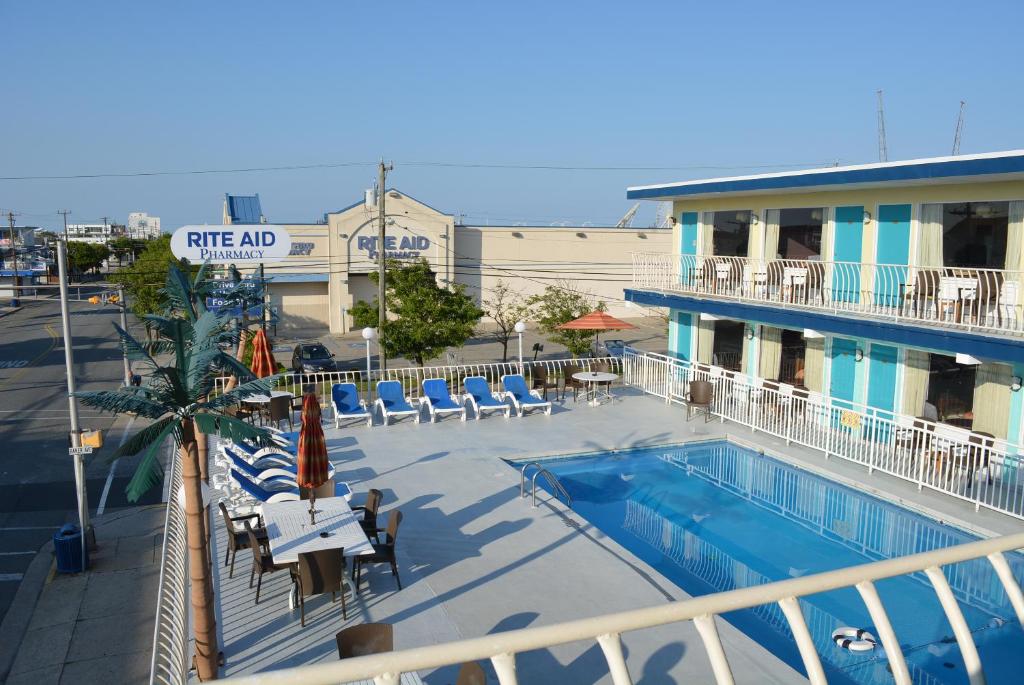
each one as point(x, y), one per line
point(1002, 349)
point(923, 171)
point(244, 209)
point(297, 278)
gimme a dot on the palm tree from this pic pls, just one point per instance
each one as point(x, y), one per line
point(176, 397)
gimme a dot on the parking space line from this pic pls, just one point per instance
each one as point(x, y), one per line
point(2, 529)
point(10, 576)
point(14, 554)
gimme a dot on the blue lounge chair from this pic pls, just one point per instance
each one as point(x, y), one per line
point(480, 397)
point(522, 397)
point(347, 405)
point(392, 402)
point(255, 452)
point(266, 492)
point(439, 401)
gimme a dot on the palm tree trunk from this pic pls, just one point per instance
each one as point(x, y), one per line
point(201, 590)
point(243, 338)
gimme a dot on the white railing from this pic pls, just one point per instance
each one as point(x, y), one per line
point(412, 377)
point(501, 648)
point(170, 661)
point(990, 300)
point(971, 466)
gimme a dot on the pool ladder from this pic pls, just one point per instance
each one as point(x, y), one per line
point(558, 489)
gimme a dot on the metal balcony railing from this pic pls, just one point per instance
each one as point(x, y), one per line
point(989, 300)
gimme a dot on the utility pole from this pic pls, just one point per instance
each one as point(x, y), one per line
point(14, 260)
point(123, 305)
point(263, 300)
point(69, 365)
point(381, 307)
point(65, 213)
point(883, 148)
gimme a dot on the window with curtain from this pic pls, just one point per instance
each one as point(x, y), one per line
point(791, 363)
point(799, 234)
point(729, 344)
point(731, 234)
point(951, 390)
point(974, 234)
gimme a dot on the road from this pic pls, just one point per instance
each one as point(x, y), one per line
point(37, 492)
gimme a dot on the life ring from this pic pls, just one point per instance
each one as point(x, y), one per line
point(854, 639)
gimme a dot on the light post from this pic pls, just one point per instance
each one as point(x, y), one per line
point(368, 335)
point(520, 329)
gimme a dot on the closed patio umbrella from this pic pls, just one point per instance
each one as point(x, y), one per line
point(596, 321)
point(263, 363)
point(311, 455)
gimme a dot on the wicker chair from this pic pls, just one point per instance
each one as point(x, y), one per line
point(700, 397)
point(365, 639)
point(374, 498)
point(541, 381)
point(471, 673)
point(323, 492)
point(318, 573)
point(383, 553)
point(262, 560)
point(569, 382)
point(280, 410)
point(237, 539)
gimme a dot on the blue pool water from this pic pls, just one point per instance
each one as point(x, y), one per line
point(714, 516)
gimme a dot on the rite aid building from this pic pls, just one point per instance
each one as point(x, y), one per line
point(329, 267)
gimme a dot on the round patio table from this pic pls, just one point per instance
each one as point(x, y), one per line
point(594, 379)
point(265, 399)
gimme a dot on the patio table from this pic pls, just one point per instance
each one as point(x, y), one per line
point(405, 679)
point(593, 379)
point(264, 399)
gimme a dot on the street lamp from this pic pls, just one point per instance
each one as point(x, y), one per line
point(520, 329)
point(368, 335)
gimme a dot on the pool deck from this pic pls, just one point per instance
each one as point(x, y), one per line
point(477, 559)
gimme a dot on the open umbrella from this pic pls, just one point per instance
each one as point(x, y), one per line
point(596, 321)
point(311, 456)
point(263, 363)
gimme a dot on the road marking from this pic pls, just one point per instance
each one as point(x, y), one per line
point(53, 343)
point(113, 464)
point(30, 528)
point(14, 554)
point(13, 363)
point(10, 576)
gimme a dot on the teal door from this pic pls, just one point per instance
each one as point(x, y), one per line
point(882, 377)
point(893, 247)
point(688, 246)
point(843, 369)
point(681, 335)
point(847, 247)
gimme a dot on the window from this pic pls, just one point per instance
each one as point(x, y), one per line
point(799, 234)
point(951, 390)
point(731, 233)
point(974, 234)
point(728, 346)
point(794, 349)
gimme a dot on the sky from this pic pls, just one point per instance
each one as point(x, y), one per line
point(685, 90)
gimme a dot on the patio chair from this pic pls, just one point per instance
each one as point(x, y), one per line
point(439, 401)
point(297, 400)
point(237, 539)
point(318, 573)
point(256, 452)
point(262, 458)
point(347, 405)
point(542, 381)
point(374, 498)
point(262, 559)
point(479, 396)
point(391, 401)
point(569, 382)
point(365, 639)
point(271, 474)
point(522, 398)
point(471, 673)
point(266, 492)
point(604, 367)
point(280, 409)
point(323, 492)
point(700, 397)
point(383, 553)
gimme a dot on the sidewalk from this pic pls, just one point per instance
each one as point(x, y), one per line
point(5, 310)
point(94, 627)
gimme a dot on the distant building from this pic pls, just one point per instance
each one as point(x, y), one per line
point(99, 234)
point(142, 226)
point(24, 236)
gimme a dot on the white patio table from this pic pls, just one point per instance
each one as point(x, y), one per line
point(264, 399)
point(405, 679)
point(593, 379)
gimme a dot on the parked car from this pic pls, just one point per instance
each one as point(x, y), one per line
point(611, 348)
point(311, 358)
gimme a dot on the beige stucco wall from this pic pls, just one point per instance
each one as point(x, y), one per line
point(302, 307)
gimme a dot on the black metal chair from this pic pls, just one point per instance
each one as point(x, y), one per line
point(383, 553)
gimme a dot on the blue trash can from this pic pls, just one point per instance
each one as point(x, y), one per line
point(67, 543)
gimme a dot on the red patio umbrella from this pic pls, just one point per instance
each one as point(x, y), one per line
point(596, 321)
point(263, 363)
point(311, 456)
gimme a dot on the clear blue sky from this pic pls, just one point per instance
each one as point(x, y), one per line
point(105, 87)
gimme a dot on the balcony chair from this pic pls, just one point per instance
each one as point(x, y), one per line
point(383, 553)
point(522, 397)
point(542, 381)
point(318, 573)
point(569, 382)
point(365, 639)
point(439, 400)
point(392, 401)
point(479, 396)
point(700, 397)
point(280, 409)
point(262, 559)
point(347, 404)
point(237, 539)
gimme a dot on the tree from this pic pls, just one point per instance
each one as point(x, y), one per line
point(426, 317)
point(142, 279)
point(506, 307)
point(559, 304)
point(175, 398)
point(364, 314)
point(84, 257)
point(121, 247)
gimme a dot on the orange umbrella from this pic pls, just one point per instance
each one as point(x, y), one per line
point(596, 321)
point(263, 363)
point(311, 462)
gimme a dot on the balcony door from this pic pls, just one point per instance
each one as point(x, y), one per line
point(848, 244)
point(843, 369)
point(893, 249)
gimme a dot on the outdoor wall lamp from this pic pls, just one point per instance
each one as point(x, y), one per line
point(858, 355)
point(754, 218)
point(867, 217)
point(750, 332)
point(1015, 384)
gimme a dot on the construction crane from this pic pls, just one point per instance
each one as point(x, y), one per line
point(959, 128)
point(883, 150)
point(627, 220)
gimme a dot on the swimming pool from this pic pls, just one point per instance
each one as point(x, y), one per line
point(715, 516)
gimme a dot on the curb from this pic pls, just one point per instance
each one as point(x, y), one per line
point(19, 615)
point(10, 310)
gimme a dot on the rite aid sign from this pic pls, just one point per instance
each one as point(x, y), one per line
point(238, 244)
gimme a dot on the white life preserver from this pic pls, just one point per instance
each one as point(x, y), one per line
point(854, 639)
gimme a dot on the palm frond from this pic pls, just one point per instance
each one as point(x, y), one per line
point(149, 472)
point(178, 291)
point(260, 386)
point(133, 348)
point(233, 367)
point(231, 428)
point(121, 402)
point(142, 438)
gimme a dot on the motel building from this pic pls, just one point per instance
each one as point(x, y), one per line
point(895, 286)
point(329, 267)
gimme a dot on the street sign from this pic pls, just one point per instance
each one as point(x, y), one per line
point(232, 244)
point(79, 450)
